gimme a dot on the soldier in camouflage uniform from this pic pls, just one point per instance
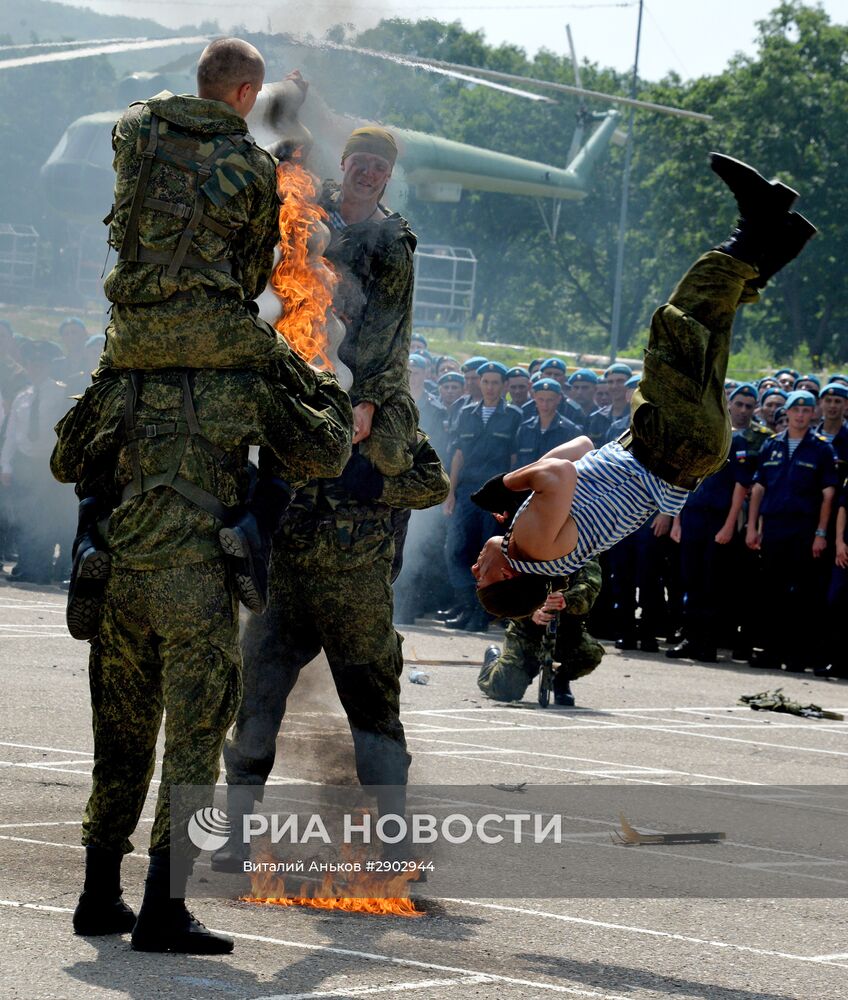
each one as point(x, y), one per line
point(330, 590)
point(505, 676)
point(169, 450)
point(195, 222)
point(168, 635)
point(371, 249)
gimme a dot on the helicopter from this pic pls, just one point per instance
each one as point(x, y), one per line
point(77, 175)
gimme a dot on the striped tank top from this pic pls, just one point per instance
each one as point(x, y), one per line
point(613, 497)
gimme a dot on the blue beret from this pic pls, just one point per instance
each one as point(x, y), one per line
point(786, 371)
point(774, 391)
point(583, 375)
point(517, 371)
point(811, 378)
point(451, 377)
point(535, 377)
point(472, 364)
point(418, 361)
point(633, 381)
point(834, 389)
point(619, 368)
point(72, 321)
point(799, 397)
point(492, 368)
point(730, 383)
point(547, 385)
point(419, 336)
point(557, 363)
point(744, 389)
point(96, 340)
point(838, 377)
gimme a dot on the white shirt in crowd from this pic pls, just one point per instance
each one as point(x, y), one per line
point(52, 401)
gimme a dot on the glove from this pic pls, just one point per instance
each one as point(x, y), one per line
point(361, 479)
point(497, 498)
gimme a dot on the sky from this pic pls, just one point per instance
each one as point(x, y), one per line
point(690, 37)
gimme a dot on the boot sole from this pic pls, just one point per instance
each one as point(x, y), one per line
point(235, 545)
point(183, 946)
point(85, 602)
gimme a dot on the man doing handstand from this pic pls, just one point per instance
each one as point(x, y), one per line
point(578, 502)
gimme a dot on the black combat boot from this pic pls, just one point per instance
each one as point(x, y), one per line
point(693, 649)
point(767, 235)
point(232, 856)
point(90, 571)
point(247, 543)
point(468, 605)
point(165, 924)
point(478, 620)
point(100, 909)
point(562, 694)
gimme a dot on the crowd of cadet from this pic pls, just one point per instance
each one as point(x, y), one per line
point(757, 562)
point(37, 514)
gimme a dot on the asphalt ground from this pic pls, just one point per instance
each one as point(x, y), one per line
point(642, 720)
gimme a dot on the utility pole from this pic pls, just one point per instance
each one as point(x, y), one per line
point(625, 191)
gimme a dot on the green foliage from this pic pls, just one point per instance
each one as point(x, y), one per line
point(785, 109)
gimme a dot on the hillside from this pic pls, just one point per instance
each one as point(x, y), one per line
point(43, 21)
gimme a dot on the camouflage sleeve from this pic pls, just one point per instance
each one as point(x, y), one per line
point(584, 589)
point(382, 350)
point(425, 485)
point(260, 236)
point(89, 436)
point(307, 422)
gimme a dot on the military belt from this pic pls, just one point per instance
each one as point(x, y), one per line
point(145, 256)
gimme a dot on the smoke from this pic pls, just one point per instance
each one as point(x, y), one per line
point(304, 17)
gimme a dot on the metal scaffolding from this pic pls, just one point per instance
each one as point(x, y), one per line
point(18, 255)
point(444, 287)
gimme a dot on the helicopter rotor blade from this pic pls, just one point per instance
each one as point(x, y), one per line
point(466, 73)
point(577, 138)
point(98, 49)
point(564, 88)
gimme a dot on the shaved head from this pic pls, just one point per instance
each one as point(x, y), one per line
point(227, 64)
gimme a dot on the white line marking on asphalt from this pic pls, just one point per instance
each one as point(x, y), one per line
point(359, 991)
point(35, 767)
point(56, 843)
point(645, 931)
point(475, 748)
point(31, 746)
point(839, 957)
point(369, 956)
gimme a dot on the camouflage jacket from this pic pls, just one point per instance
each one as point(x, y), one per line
point(326, 502)
point(374, 299)
point(240, 195)
point(306, 423)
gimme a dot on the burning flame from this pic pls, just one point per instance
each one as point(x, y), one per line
point(380, 893)
point(304, 286)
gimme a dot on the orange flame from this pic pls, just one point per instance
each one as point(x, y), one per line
point(304, 286)
point(381, 893)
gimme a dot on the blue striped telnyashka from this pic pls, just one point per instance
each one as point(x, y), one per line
point(613, 497)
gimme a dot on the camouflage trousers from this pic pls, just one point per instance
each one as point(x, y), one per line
point(509, 676)
point(680, 428)
point(168, 643)
point(329, 591)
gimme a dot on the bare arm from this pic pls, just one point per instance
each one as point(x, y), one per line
point(457, 463)
point(820, 542)
point(841, 546)
point(753, 537)
point(546, 530)
point(725, 532)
